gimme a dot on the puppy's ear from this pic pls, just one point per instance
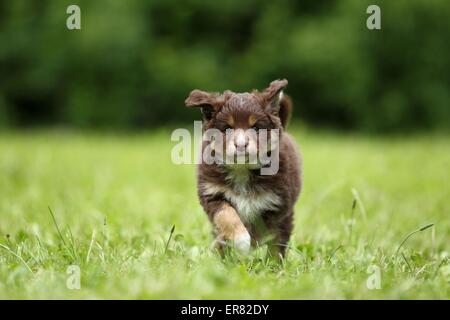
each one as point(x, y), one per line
point(273, 95)
point(208, 102)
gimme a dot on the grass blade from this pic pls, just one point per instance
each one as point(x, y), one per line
point(90, 246)
point(407, 263)
point(334, 251)
point(361, 205)
point(410, 235)
point(18, 257)
point(57, 228)
point(351, 221)
point(170, 237)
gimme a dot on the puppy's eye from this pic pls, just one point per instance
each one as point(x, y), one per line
point(226, 127)
point(256, 128)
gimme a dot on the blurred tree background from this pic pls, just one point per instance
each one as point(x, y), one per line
point(133, 62)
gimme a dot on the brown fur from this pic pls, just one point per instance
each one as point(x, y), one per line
point(221, 189)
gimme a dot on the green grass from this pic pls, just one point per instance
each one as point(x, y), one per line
point(115, 199)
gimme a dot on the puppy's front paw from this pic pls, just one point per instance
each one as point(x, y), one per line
point(242, 243)
point(230, 230)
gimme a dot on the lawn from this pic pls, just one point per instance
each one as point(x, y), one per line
point(115, 198)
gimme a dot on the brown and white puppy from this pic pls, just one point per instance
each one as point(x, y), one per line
point(243, 203)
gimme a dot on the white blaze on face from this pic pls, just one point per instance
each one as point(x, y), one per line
point(240, 146)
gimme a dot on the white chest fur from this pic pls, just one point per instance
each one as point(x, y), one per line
point(247, 202)
point(250, 206)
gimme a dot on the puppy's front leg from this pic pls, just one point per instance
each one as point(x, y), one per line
point(230, 230)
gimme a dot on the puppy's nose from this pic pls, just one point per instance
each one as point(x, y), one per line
point(240, 141)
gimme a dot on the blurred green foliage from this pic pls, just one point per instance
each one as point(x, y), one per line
point(133, 62)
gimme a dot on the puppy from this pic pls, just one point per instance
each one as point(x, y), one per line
point(249, 189)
